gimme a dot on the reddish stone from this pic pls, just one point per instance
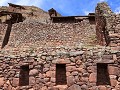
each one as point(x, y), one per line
point(92, 77)
point(74, 87)
point(70, 68)
point(31, 80)
point(50, 74)
point(15, 82)
point(67, 73)
point(79, 70)
point(113, 70)
point(113, 82)
point(63, 61)
point(102, 88)
point(92, 69)
point(85, 79)
point(44, 88)
point(70, 80)
point(33, 72)
point(1, 82)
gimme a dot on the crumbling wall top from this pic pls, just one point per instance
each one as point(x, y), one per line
point(14, 5)
point(104, 9)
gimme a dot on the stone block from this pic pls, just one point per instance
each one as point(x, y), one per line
point(92, 77)
point(113, 82)
point(15, 82)
point(113, 70)
point(70, 80)
point(2, 81)
point(102, 87)
point(50, 74)
point(31, 81)
point(33, 72)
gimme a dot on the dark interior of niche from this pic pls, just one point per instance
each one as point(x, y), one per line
point(61, 74)
point(102, 74)
point(24, 75)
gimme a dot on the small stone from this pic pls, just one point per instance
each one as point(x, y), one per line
point(33, 72)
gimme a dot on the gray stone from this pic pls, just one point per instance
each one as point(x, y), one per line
point(84, 87)
point(76, 53)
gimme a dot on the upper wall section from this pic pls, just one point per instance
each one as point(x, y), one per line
point(38, 34)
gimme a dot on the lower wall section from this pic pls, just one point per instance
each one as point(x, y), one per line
point(76, 70)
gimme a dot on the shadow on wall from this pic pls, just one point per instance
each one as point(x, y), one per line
point(15, 18)
point(7, 35)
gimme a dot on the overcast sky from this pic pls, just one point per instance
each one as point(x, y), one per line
point(66, 7)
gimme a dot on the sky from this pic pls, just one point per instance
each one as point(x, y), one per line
point(66, 7)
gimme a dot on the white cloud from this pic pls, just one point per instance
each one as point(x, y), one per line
point(117, 10)
point(3, 2)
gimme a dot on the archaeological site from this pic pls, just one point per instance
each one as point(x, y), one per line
point(42, 50)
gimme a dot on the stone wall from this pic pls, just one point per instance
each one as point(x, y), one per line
point(107, 26)
point(115, 35)
point(104, 18)
point(81, 69)
point(62, 56)
point(39, 34)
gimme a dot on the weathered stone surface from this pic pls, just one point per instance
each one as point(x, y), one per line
point(92, 78)
point(43, 45)
point(113, 70)
point(113, 82)
point(15, 82)
point(53, 80)
point(31, 81)
point(50, 74)
point(102, 88)
point(33, 72)
point(74, 87)
point(70, 80)
point(76, 53)
point(2, 81)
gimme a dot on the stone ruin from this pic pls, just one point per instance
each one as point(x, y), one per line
point(42, 52)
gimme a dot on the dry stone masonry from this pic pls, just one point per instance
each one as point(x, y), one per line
point(58, 52)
